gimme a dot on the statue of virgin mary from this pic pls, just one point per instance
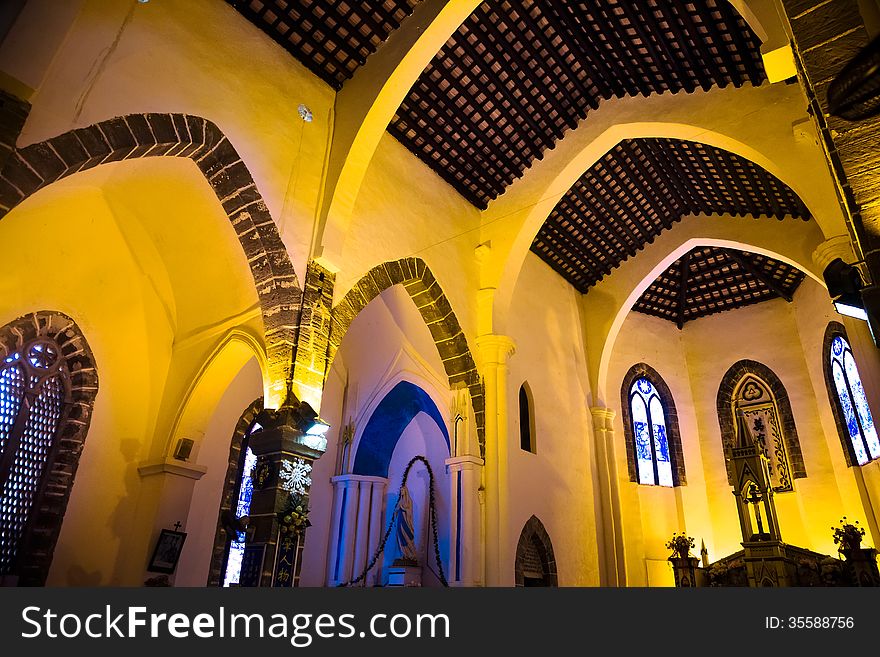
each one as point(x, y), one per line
point(406, 535)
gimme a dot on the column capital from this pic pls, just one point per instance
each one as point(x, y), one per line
point(172, 467)
point(495, 349)
point(602, 416)
point(338, 479)
point(466, 462)
point(838, 246)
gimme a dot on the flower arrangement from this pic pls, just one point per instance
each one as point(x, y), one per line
point(680, 544)
point(848, 535)
point(295, 517)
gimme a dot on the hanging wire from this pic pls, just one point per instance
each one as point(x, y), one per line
point(433, 513)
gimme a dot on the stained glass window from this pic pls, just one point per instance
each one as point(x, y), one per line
point(853, 403)
point(32, 392)
point(245, 492)
point(651, 443)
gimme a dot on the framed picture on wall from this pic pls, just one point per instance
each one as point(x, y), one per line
point(167, 552)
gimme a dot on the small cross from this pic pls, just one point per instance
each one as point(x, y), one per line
point(177, 526)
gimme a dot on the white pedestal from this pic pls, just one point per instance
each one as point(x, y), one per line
point(404, 576)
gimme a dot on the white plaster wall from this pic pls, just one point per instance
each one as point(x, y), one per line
point(651, 514)
point(555, 484)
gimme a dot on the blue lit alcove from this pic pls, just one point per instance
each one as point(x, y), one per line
point(407, 423)
point(393, 414)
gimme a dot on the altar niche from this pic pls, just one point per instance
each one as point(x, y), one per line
point(752, 396)
point(405, 435)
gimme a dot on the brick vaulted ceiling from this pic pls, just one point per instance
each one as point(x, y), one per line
point(709, 280)
point(518, 74)
point(331, 37)
point(640, 188)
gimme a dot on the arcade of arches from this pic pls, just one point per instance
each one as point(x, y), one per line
point(543, 268)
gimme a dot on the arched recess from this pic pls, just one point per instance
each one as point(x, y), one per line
point(535, 562)
point(673, 434)
point(434, 308)
point(724, 407)
point(180, 135)
point(386, 424)
point(608, 303)
point(79, 379)
point(230, 485)
point(226, 360)
point(833, 330)
point(405, 429)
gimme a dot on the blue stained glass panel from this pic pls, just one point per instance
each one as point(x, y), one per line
point(861, 404)
point(242, 508)
point(11, 394)
point(661, 444)
point(644, 460)
point(852, 425)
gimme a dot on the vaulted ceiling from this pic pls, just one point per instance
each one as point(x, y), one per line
point(709, 280)
point(332, 38)
point(643, 186)
point(519, 73)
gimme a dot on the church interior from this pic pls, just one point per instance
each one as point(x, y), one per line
point(439, 293)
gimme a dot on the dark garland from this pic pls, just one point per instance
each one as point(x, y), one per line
point(433, 508)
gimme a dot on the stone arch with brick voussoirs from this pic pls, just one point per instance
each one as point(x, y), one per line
point(435, 309)
point(133, 136)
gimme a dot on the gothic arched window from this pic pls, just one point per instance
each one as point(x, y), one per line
point(229, 544)
point(850, 403)
point(47, 387)
point(526, 420)
point(653, 444)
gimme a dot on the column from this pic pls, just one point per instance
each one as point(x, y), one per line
point(494, 351)
point(166, 494)
point(356, 528)
point(333, 546)
point(377, 527)
point(614, 571)
point(466, 472)
point(284, 462)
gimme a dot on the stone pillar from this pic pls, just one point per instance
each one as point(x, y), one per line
point(826, 36)
point(464, 531)
point(614, 571)
point(284, 462)
point(494, 351)
point(313, 335)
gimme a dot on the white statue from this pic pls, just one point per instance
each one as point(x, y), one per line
point(406, 535)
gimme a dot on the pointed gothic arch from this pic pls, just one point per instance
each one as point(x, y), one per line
point(535, 562)
point(133, 136)
point(435, 309)
point(673, 433)
point(861, 419)
point(222, 539)
point(734, 384)
point(49, 356)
